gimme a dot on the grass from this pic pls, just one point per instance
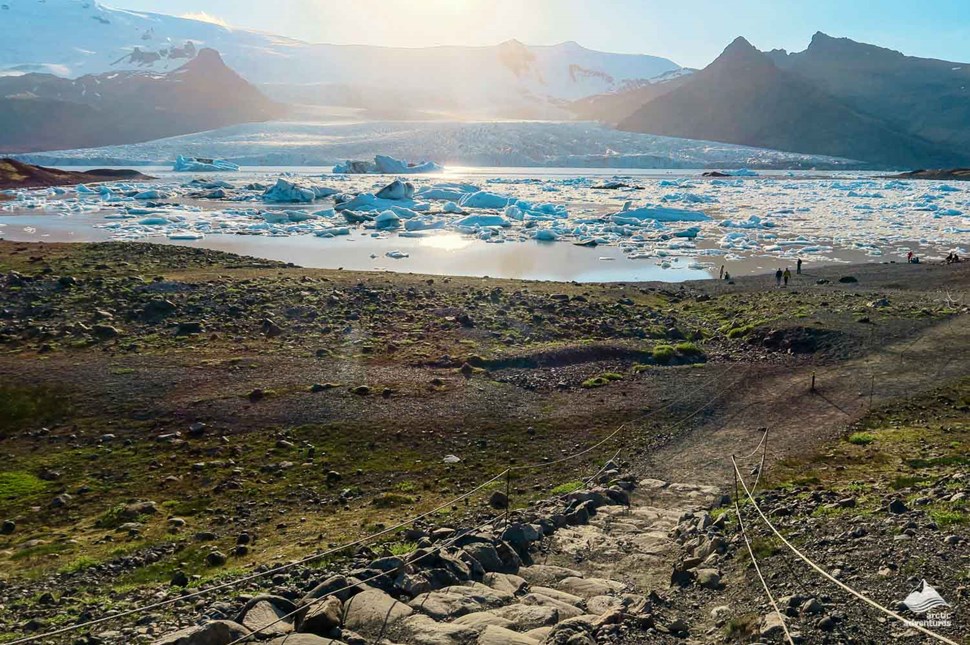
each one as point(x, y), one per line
point(742, 628)
point(16, 485)
point(392, 500)
point(861, 438)
point(601, 380)
point(568, 487)
point(663, 354)
point(402, 548)
point(949, 517)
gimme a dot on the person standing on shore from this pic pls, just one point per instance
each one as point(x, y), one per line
point(787, 275)
point(778, 275)
point(798, 267)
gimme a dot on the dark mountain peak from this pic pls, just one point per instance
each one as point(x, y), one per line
point(207, 60)
point(740, 54)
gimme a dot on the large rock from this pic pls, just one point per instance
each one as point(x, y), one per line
point(547, 575)
point(486, 555)
point(218, 632)
point(423, 630)
point(441, 605)
point(504, 582)
point(337, 585)
point(495, 635)
point(561, 596)
point(589, 587)
point(322, 617)
point(372, 609)
point(305, 639)
point(481, 619)
point(526, 617)
point(270, 615)
point(565, 609)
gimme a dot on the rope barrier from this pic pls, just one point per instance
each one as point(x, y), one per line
point(754, 561)
point(820, 570)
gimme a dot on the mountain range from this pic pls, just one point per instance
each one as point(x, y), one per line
point(46, 112)
point(510, 80)
point(838, 97)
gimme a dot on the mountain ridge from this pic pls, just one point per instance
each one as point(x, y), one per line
point(41, 112)
point(745, 97)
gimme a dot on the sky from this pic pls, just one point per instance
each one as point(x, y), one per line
point(689, 32)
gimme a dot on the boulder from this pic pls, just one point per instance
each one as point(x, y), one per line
point(372, 609)
point(589, 587)
point(565, 609)
point(526, 617)
point(218, 632)
point(321, 617)
point(263, 613)
point(422, 630)
point(481, 619)
point(496, 635)
point(504, 582)
point(305, 639)
point(547, 575)
point(486, 555)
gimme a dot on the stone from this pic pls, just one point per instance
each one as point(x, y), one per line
point(561, 596)
point(180, 579)
point(897, 507)
point(215, 559)
point(322, 617)
point(189, 328)
point(8, 527)
point(264, 613)
point(504, 582)
point(498, 500)
point(442, 605)
point(771, 627)
point(481, 619)
point(526, 617)
point(565, 610)
point(305, 639)
point(217, 632)
point(425, 631)
point(496, 635)
point(811, 606)
point(589, 587)
point(709, 578)
point(105, 332)
point(371, 609)
point(486, 555)
point(547, 575)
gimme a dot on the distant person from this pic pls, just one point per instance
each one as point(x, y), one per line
point(778, 276)
point(721, 277)
point(909, 257)
point(949, 258)
point(727, 276)
point(787, 275)
point(798, 267)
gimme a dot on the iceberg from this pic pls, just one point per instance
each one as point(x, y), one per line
point(482, 221)
point(198, 164)
point(385, 165)
point(397, 190)
point(483, 199)
point(289, 192)
point(659, 214)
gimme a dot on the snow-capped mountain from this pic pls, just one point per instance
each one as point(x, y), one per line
point(75, 37)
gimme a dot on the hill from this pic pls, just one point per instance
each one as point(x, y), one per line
point(14, 174)
point(45, 112)
point(744, 98)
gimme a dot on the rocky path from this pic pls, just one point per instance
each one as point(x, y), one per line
point(583, 569)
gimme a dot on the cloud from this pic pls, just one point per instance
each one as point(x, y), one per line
point(202, 16)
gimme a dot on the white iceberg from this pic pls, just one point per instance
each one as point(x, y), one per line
point(289, 192)
point(198, 164)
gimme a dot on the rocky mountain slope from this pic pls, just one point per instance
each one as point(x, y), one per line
point(14, 174)
point(924, 97)
point(74, 37)
point(744, 98)
point(46, 112)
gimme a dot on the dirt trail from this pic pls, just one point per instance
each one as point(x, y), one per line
point(799, 419)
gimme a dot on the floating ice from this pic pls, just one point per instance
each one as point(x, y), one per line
point(286, 191)
point(193, 164)
point(385, 165)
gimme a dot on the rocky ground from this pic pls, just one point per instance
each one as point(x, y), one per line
point(175, 415)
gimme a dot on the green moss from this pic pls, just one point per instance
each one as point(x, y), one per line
point(568, 487)
point(861, 438)
point(16, 485)
point(688, 349)
point(601, 380)
point(663, 354)
point(392, 500)
point(30, 406)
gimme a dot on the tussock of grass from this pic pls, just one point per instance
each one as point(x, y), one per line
point(568, 487)
point(601, 380)
point(392, 500)
point(16, 485)
point(861, 438)
point(663, 354)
